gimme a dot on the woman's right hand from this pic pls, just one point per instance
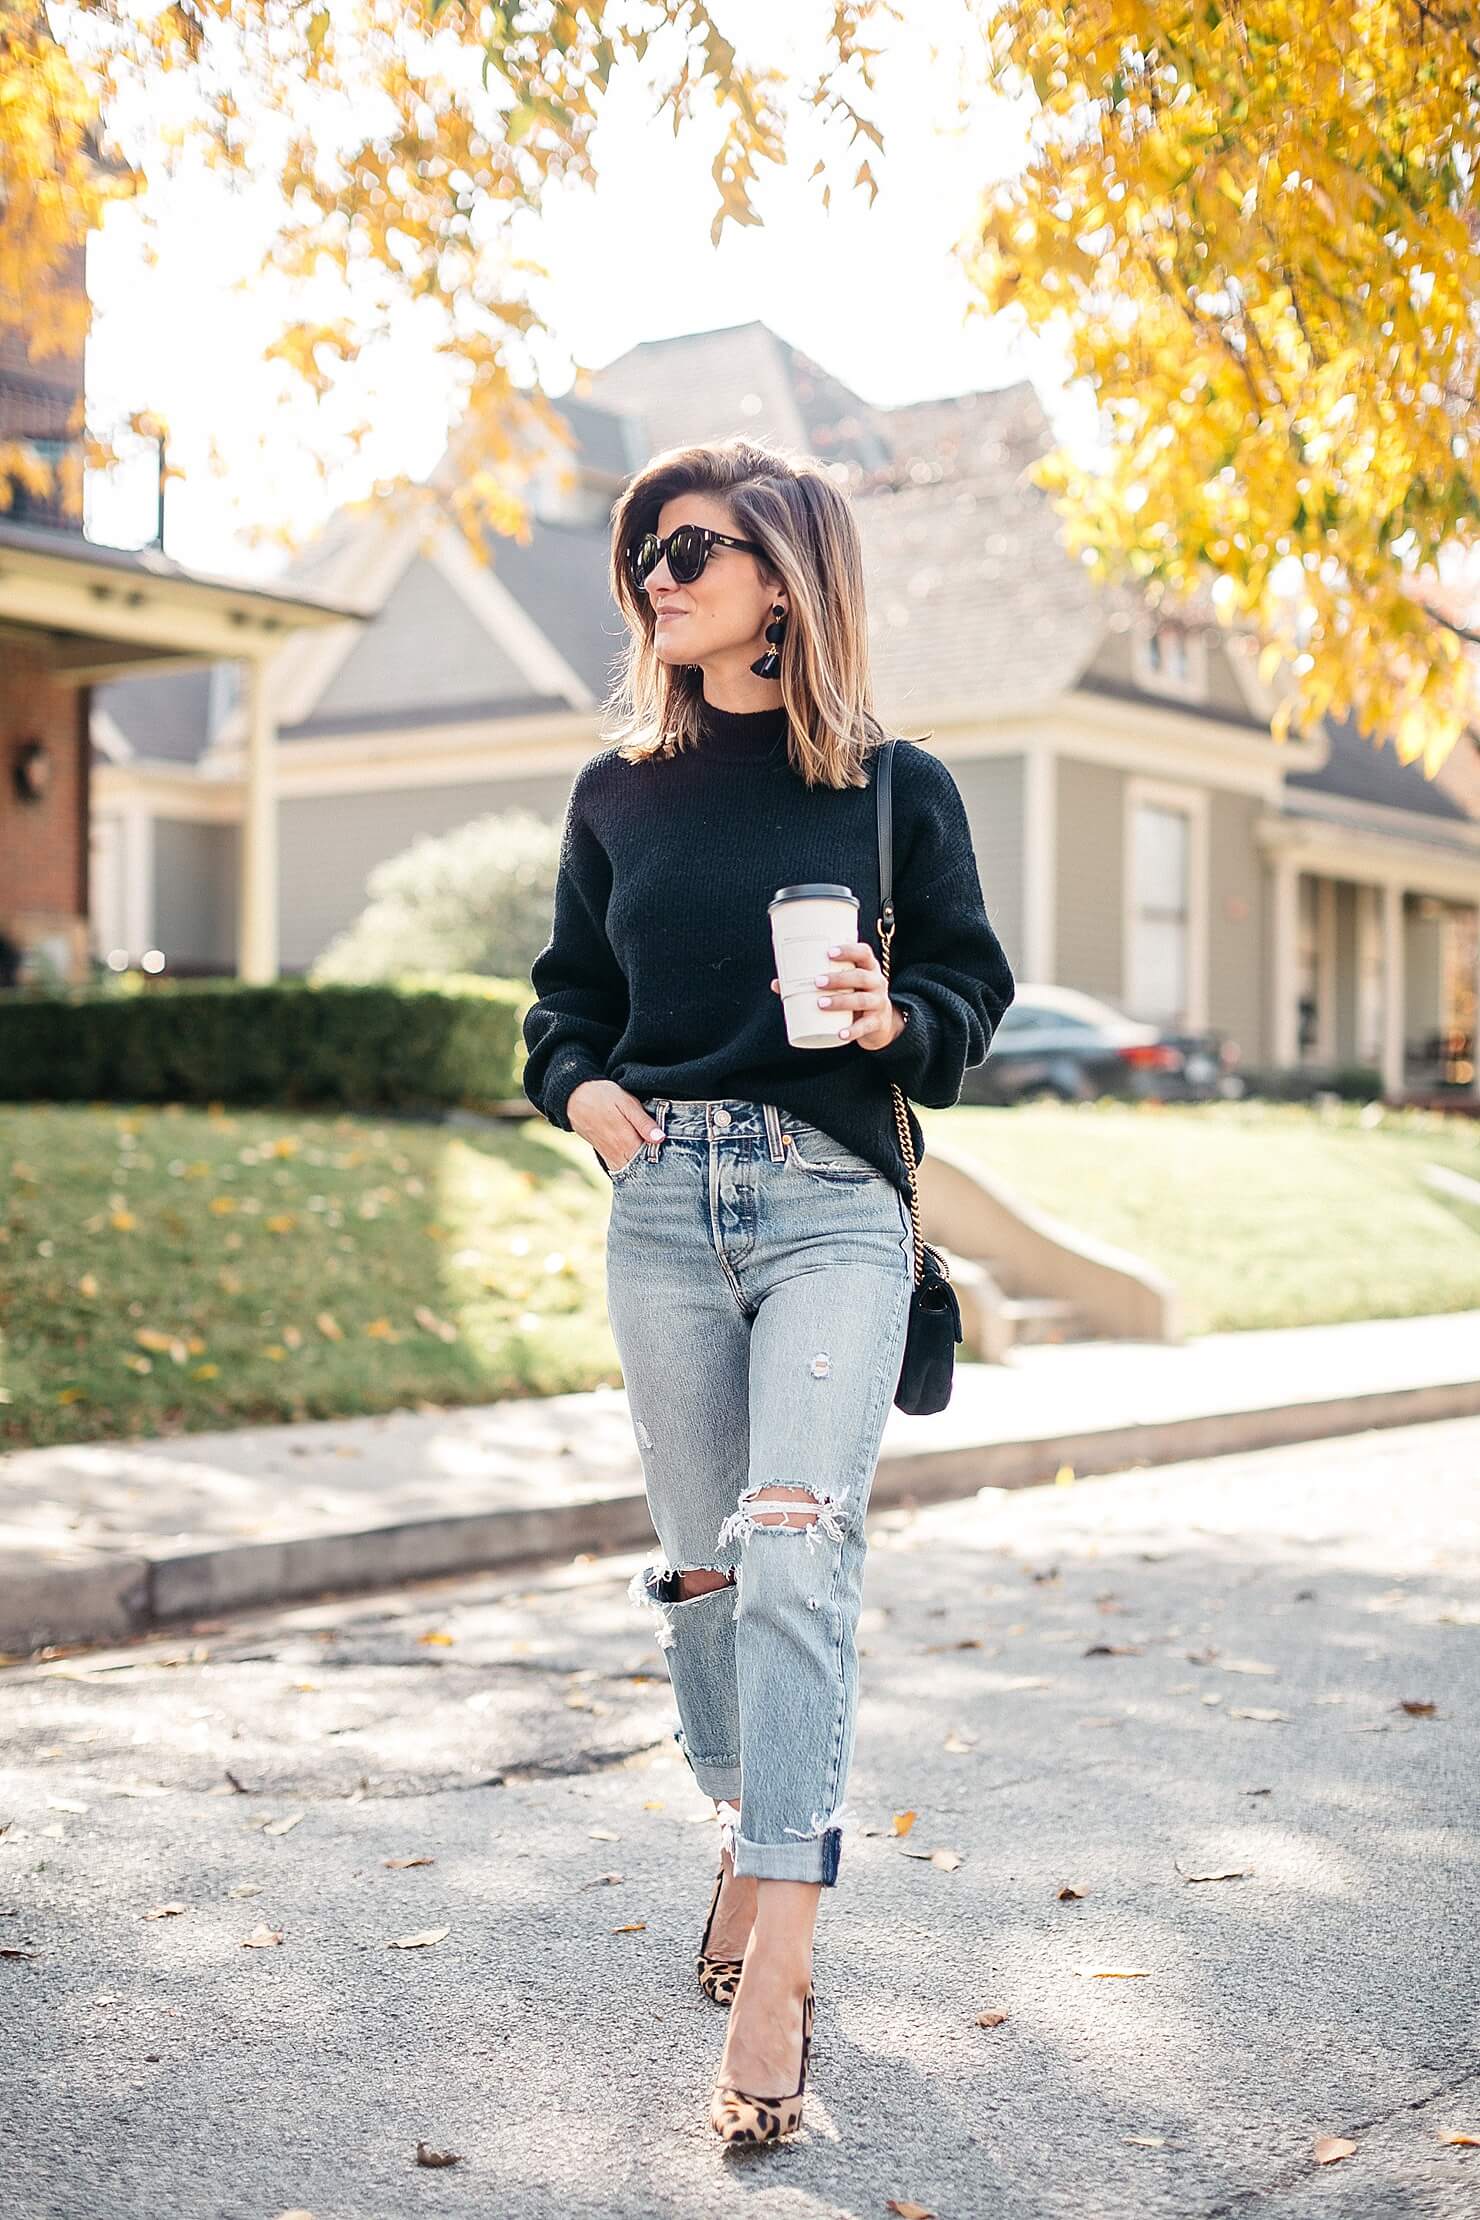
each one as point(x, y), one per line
point(609, 1118)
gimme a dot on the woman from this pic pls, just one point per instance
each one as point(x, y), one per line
point(759, 1249)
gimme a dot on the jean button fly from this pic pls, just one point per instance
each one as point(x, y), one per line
point(721, 1117)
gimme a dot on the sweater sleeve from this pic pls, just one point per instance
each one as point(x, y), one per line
point(582, 1006)
point(949, 973)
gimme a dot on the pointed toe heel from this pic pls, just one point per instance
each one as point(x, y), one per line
point(737, 2116)
point(719, 1977)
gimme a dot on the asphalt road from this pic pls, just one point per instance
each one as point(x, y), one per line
point(1068, 1686)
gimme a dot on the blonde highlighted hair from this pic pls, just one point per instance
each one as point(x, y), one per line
point(793, 511)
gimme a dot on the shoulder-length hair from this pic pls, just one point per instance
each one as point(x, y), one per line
point(810, 543)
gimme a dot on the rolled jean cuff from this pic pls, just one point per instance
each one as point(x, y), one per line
point(716, 1778)
point(812, 1858)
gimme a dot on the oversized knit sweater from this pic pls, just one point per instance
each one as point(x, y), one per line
point(658, 967)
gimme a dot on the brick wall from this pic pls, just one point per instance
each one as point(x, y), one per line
point(44, 845)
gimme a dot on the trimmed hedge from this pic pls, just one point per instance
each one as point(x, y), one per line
point(414, 1042)
point(1302, 1082)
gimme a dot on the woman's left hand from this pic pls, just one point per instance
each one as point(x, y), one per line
point(853, 981)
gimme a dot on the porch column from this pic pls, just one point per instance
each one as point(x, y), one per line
point(1392, 990)
point(257, 935)
point(1284, 1039)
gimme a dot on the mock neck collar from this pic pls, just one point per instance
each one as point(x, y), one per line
point(742, 735)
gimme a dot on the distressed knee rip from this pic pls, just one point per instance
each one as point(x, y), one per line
point(694, 1584)
point(785, 1510)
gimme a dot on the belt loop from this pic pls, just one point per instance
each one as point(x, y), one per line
point(660, 1114)
point(773, 1132)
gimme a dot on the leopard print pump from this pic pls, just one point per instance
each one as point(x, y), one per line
point(738, 2117)
point(720, 1977)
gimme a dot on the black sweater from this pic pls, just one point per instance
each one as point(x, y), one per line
point(658, 968)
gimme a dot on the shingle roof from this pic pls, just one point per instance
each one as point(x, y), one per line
point(1358, 771)
point(740, 381)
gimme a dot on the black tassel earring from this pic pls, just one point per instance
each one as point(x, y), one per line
point(769, 664)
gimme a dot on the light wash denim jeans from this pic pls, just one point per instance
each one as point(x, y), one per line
point(758, 1282)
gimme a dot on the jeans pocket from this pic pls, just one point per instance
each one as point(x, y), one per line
point(635, 1158)
point(821, 1157)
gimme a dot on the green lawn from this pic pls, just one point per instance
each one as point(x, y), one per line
point(1265, 1214)
point(168, 1271)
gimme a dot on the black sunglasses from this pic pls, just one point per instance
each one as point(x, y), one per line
point(687, 549)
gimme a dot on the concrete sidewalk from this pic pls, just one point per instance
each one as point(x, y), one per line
point(105, 1540)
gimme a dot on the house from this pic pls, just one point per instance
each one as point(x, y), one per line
point(1141, 835)
point(76, 615)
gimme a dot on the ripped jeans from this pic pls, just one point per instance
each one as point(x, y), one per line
point(758, 1283)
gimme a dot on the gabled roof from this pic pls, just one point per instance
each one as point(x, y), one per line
point(1358, 771)
point(742, 380)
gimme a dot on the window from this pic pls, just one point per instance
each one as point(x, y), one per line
point(1161, 844)
point(1171, 659)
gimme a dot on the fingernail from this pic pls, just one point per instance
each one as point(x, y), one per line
point(655, 1135)
point(821, 979)
point(835, 951)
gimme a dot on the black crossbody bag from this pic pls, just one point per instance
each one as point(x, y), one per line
point(928, 1368)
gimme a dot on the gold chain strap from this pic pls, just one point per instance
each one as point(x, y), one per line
point(901, 1120)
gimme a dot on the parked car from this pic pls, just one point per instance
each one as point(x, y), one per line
point(1057, 1044)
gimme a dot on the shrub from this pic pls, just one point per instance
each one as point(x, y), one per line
point(1302, 1082)
point(413, 1042)
point(475, 900)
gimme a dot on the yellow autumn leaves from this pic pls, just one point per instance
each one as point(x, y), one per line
point(1252, 233)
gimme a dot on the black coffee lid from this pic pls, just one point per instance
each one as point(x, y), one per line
point(811, 890)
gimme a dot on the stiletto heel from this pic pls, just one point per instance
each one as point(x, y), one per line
point(738, 2117)
point(720, 1977)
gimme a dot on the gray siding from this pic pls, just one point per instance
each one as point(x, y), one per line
point(1236, 913)
point(992, 789)
point(425, 650)
point(195, 891)
point(1089, 877)
point(1346, 972)
point(329, 844)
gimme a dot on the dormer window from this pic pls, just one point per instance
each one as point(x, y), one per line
point(1171, 659)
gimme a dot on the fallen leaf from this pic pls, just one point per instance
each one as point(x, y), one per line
point(601, 1880)
point(1418, 1709)
point(246, 1888)
point(1151, 2142)
point(437, 1639)
point(1255, 1711)
point(165, 1911)
point(907, 2211)
point(329, 1326)
point(604, 1834)
point(401, 1862)
point(1112, 1973)
point(1246, 1665)
point(904, 1820)
point(262, 1938)
point(957, 1742)
point(1328, 2148)
point(990, 2019)
point(634, 1927)
point(281, 1826)
point(1458, 2135)
point(421, 1941)
point(1113, 1649)
point(15, 1950)
point(1069, 1891)
point(1219, 1873)
point(426, 2156)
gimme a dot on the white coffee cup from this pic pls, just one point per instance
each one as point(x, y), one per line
point(806, 921)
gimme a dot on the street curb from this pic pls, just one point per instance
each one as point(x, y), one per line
point(48, 1598)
